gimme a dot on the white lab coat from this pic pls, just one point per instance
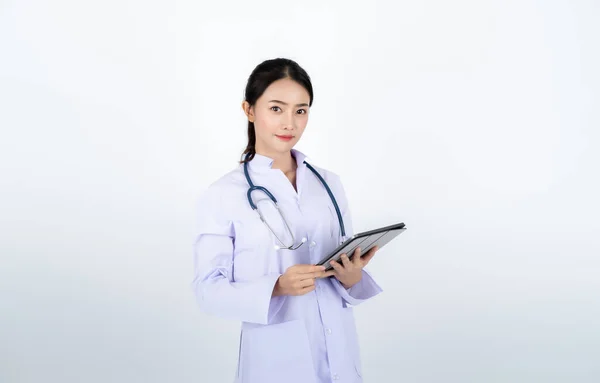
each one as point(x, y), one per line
point(286, 339)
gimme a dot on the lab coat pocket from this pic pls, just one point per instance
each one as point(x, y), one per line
point(277, 353)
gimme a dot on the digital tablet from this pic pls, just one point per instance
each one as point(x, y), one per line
point(365, 240)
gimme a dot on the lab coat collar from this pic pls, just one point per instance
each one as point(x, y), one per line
point(300, 157)
point(260, 162)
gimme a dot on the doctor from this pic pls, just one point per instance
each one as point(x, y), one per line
point(297, 319)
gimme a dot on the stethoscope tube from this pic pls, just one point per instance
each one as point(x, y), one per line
point(335, 205)
point(272, 197)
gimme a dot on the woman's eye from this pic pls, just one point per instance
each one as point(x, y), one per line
point(274, 107)
point(302, 110)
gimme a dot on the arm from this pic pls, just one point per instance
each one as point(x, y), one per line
point(367, 287)
point(215, 289)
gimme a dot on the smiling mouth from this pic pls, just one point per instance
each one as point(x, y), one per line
point(287, 138)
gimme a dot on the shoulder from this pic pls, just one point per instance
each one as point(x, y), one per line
point(217, 192)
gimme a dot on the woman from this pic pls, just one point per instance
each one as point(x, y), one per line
point(297, 319)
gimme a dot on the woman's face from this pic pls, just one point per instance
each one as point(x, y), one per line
point(280, 116)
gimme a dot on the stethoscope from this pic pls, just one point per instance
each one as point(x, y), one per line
point(274, 201)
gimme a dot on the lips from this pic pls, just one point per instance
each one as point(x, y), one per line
point(284, 138)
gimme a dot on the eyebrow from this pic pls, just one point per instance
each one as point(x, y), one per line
point(285, 103)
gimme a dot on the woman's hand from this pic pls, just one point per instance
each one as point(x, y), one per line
point(299, 279)
point(350, 272)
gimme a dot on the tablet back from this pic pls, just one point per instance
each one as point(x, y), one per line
point(366, 241)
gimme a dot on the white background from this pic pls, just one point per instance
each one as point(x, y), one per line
point(476, 123)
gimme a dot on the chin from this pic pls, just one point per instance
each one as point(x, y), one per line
point(284, 148)
point(283, 144)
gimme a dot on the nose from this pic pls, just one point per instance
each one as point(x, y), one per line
point(288, 122)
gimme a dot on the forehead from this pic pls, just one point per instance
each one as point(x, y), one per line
point(286, 90)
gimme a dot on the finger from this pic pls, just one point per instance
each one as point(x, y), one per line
point(356, 257)
point(306, 290)
point(369, 256)
point(305, 283)
point(326, 274)
point(300, 271)
point(346, 261)
point(309, 269)
point(323, 274)
point(337, 267)
point(314, 275)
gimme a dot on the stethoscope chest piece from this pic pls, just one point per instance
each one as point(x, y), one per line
point(273, 200)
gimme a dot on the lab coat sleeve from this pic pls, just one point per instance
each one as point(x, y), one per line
point(215, 289)
point(360, 292)
point(367, 287)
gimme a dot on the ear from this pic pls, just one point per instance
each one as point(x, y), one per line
point(248, 111)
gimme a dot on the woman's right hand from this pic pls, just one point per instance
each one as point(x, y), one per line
point(300, 279)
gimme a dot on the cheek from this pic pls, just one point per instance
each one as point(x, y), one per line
point(301, 121)
point(301, 124)
point(265, 126)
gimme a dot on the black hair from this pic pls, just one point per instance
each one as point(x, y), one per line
point(261, 77)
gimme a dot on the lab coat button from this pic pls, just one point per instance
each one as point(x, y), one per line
point(328, 331)
point(313, 244)
point(336, 377)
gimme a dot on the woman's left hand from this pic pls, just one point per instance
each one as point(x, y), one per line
point(349, 272)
